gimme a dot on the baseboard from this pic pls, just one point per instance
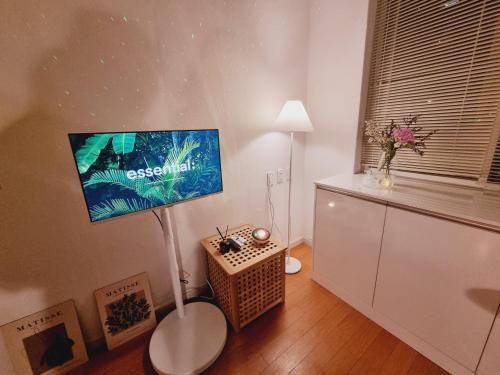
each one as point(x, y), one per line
point(308, 242)
point(296, 242)
point(401, 333)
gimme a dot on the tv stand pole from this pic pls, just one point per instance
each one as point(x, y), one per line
point(190, 340)
point(168, 236)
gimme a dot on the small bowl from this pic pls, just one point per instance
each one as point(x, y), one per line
point(261, 236)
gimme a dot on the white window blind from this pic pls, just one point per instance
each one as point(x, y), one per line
point(440, 60)
point(494, 170)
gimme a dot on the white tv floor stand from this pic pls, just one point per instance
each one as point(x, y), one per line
point(192, 336)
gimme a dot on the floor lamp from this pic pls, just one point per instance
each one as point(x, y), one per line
point(292, 118)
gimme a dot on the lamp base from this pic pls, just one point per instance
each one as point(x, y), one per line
point(188, 345)
point(292, 265)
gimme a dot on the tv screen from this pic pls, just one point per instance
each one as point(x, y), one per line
point(121, 173)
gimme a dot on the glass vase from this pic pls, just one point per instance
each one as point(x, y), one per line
point(388, 180)
point(384, 166)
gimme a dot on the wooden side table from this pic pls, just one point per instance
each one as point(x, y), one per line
point(249, 282)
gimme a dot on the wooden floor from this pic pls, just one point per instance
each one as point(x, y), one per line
point(314, 332)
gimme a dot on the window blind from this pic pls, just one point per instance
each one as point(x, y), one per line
point(440, 60)
point(494, 170)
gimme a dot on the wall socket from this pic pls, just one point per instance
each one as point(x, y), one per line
point(283, 175)
point(278, 176)
point(271, 178)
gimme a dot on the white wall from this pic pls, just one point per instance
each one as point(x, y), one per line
point(337, 35)
point(85, 66)
point(116, 65)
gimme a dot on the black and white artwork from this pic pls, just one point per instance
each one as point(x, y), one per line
point(47, 342)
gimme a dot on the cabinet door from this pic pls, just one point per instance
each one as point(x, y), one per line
point(490, 361)
point(347, 237)
point(434, 277)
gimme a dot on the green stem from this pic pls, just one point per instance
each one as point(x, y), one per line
point(389, 155)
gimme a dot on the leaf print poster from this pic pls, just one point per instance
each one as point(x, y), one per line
point(126, 309)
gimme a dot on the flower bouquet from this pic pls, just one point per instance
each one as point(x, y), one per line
point(394, 137)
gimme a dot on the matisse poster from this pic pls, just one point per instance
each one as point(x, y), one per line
point(125, 309)
point(47, 342)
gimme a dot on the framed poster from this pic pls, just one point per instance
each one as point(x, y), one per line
point(125, 309)
point(47, 342)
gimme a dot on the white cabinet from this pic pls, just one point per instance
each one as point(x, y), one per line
point(347, 237)
point(433, 280)
point(422, 260)
point(490, 361)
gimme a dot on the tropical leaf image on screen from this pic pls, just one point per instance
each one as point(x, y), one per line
point(123, 143)
point(127, 172)
point(89, 152)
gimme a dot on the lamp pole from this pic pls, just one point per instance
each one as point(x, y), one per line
point(292, 118)
point(292, 265)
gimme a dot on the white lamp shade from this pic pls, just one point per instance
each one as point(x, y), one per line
point(293, 118)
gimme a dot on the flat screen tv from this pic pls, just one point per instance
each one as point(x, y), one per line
point(121, 173)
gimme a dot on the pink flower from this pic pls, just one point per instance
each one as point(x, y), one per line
point(405, 136)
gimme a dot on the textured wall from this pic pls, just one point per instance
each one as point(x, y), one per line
point(77, 66)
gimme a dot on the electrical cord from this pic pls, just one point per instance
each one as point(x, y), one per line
point(186, 274)
point(159, 220)
point(271, 207)
point(212, 289)
point(271, 211)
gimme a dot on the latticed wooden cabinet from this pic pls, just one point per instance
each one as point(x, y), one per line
point(249, 282)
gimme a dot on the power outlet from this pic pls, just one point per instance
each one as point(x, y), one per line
point(271, 178)
point(281, 175)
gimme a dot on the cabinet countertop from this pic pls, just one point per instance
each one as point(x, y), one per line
point(471, 206)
